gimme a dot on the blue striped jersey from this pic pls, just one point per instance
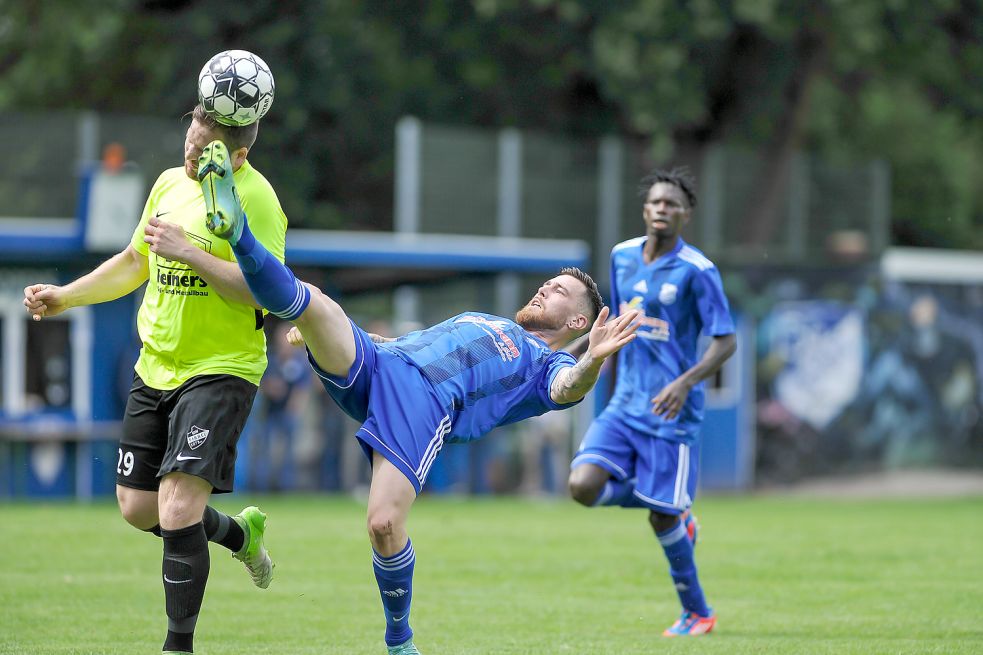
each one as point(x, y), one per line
point(487, 370)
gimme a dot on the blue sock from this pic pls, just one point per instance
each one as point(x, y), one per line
point(395, 577)
point(272, 283)
point(682, 568)
point(619, 493)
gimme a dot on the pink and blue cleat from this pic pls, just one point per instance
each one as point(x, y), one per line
point(691, 624)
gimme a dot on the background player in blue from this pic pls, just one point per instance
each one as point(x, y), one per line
point(643, 449)
point(454, 381)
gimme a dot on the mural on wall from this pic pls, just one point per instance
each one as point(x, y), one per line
point(821, 347)
point(857, 373)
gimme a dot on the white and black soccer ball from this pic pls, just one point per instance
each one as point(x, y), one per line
point(236, 88)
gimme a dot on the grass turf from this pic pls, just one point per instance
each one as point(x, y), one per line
point(507, 576)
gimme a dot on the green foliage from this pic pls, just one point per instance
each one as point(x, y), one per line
point(896, 80)
point(510, 577)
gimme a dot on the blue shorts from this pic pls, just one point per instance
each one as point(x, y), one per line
point(665, 471)
point(402, 419)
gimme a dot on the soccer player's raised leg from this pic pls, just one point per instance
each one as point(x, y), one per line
point(592, 486)
point(324, 325)
point(274, 286)
point(393, 558)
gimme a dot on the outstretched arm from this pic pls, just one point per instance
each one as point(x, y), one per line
point(572, 383)
point(670, 400)
point(114, 278)
point(169, 240)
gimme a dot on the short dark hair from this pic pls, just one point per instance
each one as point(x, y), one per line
point(593, 294)
point(679, 176)
point(233, 137)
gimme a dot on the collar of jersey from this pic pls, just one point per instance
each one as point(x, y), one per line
point(667, 258)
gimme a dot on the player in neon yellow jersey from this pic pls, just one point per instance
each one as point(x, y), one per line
point(202, 339)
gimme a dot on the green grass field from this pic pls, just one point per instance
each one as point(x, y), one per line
point(512, 576)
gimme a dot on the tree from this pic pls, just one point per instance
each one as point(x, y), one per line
point(894, 80)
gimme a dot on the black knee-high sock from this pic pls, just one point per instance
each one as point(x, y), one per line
point(222, 529)
point(219, 528)
point(185, 572)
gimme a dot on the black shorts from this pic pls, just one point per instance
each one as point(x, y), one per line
point(192, 429)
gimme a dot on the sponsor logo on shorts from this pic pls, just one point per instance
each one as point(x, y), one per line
point(196, 436)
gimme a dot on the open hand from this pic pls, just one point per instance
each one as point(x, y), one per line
point(608, 337)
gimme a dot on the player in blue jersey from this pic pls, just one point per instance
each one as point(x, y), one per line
point(643, 449)
point(454, 381)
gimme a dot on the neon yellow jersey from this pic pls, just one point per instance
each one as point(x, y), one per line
point(186, 327)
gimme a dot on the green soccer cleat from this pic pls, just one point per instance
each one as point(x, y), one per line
point(253, 553)
point(223, 211)
point(406, 648)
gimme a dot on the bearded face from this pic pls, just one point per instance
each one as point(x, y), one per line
point(558, 301)
point(535, 316)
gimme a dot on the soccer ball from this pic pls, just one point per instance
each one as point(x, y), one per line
point(235, 88)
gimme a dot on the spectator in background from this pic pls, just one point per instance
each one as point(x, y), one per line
point(283, 394)
point(326, 431)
